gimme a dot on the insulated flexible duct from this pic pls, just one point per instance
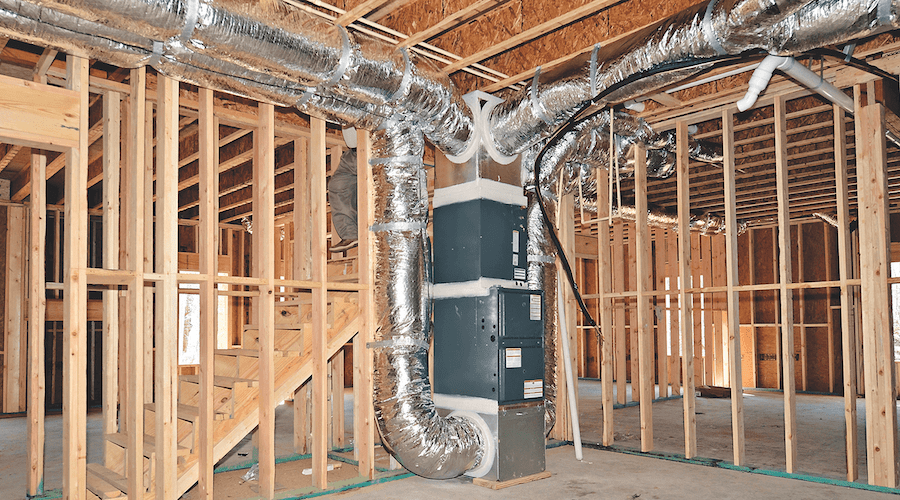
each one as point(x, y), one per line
point(411, 429)
point(714, 27)
point(298, 60)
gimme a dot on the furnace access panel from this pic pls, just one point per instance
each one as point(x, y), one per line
point(490, 346)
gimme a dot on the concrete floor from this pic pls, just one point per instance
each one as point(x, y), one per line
point(602, 474)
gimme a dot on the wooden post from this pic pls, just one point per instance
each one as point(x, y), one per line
point(618, 256)
point(733, 312)
point(301, 271)
point(672, 272)
point(364, 411)
point(36, 324)
point(317, 168)
point(709, 334)
point(15, 308)
point(112, 133)
point(605, 272)
point(133, 213)
point(848, 334)
point(685, 312)
point(337, 398)
point(874, 257)
point(787, 297)
point(209, 219)
point(166, 373)
point(147, 207)
point(74, 447)
point(264, 243)
point(662, 359)
point(563, 428)
point(644, 323)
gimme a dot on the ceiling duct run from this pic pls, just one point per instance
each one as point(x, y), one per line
point(297, 60)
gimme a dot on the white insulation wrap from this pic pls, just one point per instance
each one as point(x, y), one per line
point(292, 58)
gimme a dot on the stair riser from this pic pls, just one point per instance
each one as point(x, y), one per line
point(184, 429)
point(118, 458)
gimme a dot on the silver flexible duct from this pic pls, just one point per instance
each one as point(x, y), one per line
point(299, 60)
point(716, 27)
point(420, 439)
point(289, 58)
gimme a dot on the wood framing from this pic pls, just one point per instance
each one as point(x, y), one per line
point(874, 229)
point(37, 309)
point(364, 414)
point(317, 169)
point(209, 182)
point(165, 353)
point(848, 337)
point(604, 269)
point(685, 311)
point(264, 243)
point(74, 447)
point(133, 214)
point(644, 323)
point(786, 294)
point(731, 261)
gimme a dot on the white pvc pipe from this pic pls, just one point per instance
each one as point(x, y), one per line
point(763, 73)
point(567, 362)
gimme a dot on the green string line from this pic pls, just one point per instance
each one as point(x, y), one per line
point(721, 464)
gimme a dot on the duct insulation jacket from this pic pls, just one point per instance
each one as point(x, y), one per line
point(411, 429)
point(280, 55)
point(708, 30)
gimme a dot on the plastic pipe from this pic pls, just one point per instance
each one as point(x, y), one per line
point(567, 362)
point(763, 74)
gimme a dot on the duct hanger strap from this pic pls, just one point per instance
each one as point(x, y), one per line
point(594, 70)
point(397, 226)
point(535, 101)
point(344, 63)
point(884, 11)
point(398, 342)
point(192, 13)
point(711, 36)
point(543, 259)
point(406, 81)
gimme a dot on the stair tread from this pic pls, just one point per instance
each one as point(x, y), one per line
point(105, 483)
point(221, 381)
point(189, 412)
point(253, 353)
point(149, 444)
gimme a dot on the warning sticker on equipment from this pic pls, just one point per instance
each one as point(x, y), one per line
point(519, 274)
point(513, 357)
point(534, 389)
point(515, 242)
point(535, 309)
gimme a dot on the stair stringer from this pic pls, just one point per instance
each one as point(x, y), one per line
point(301, 369)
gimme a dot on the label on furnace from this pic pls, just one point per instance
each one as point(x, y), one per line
point(513, 357)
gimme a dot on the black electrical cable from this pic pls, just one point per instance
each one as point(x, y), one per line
point(855, 62)
point(569, 126)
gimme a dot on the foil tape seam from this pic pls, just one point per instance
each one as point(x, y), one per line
point(536, 101)
point(397, 226)
point(411, 159)
point(157, 53)
point(544, 259)
point(707, 28)
point(398, 342)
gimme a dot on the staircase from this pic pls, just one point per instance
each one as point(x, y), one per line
point(235, 394)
